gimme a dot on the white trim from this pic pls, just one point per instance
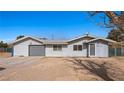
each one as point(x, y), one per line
point(109, 40)
point(80, 37)
point(95, 50)
point(13, 42)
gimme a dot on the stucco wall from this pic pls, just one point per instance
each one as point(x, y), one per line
point(21, 49)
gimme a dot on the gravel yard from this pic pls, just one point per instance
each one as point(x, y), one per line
point(61, 69)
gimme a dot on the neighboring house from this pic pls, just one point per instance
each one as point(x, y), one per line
point(84, 46)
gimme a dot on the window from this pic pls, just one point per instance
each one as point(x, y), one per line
point(84, 46)
point(57, 47)
point(80, 47)
point(77, 48)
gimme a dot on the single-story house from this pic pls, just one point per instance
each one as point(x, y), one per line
point(84, 46)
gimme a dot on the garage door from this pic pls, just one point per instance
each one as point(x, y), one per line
point(36, 50)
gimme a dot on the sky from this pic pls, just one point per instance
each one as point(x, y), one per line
point(49, 24)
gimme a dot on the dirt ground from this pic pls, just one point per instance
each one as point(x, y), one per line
point(61, 69)
point(5, 54)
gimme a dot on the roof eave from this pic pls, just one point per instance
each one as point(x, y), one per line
point(80, 38)
point(111, 41)
point(16, 41)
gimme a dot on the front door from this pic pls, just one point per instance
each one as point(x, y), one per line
point(92, 49)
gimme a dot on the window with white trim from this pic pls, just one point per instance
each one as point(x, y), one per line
point(57, 47)
point(77, 47)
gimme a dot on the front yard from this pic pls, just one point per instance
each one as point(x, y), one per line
point(43, 68)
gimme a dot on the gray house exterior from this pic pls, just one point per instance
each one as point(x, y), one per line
point(84, 46)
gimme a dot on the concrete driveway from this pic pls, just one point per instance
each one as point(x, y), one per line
point(19, 61)
point(42, 68)
point(34, 68)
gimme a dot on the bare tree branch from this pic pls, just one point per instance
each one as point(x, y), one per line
point(115, 19)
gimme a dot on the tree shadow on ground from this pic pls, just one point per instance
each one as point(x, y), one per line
point(95, 68)
point(1, 68)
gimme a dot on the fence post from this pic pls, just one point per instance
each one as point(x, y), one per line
point(115, 52)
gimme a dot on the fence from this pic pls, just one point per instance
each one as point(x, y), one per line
point(5, 52)
point(5, 49)
point(116, 49)
point(116, 52)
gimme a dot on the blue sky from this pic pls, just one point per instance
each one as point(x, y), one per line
point(61, 25)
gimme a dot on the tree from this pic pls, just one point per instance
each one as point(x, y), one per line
point(3, 45)
point(116, 19)
point(115, 34)
point(20, 36)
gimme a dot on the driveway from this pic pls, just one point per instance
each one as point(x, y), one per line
point(50, 69)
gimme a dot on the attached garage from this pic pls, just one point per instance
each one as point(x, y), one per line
point(28, 46)
point(36, 50)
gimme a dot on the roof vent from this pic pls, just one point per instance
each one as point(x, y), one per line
point(87, 33)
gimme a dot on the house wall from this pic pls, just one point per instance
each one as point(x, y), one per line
point(50, 52)
point(22, 49)
point(101, 49)
point(77, 53)
point(67, 50)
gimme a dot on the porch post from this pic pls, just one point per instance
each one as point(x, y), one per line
point(87, 50)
